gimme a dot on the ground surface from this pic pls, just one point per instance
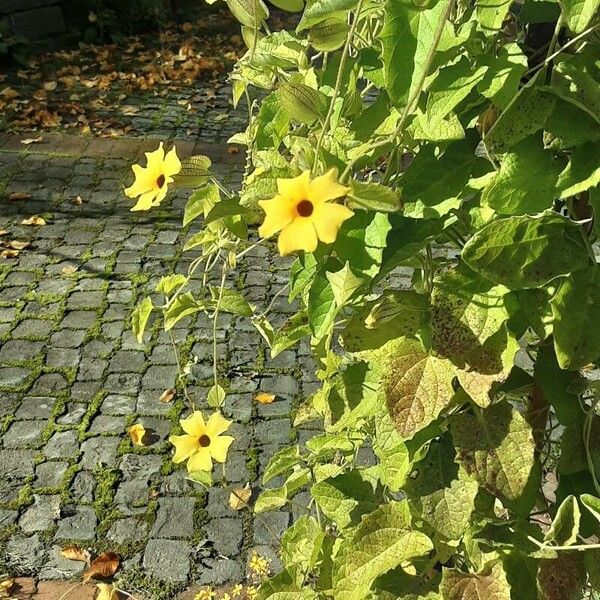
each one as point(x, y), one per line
point(72, 377)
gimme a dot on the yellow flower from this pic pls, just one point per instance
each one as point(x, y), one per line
point(259, 565)
point(225, 596)
point(237, 590)
point(303, 213)
point(151, 182)
point(202, 442)
point(251, 591)
point(205, 594)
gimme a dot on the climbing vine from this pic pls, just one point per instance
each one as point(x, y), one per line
point(458, 142)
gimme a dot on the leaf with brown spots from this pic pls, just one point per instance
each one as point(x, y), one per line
point(168, 395)
point(105, 565)
point(75, 553)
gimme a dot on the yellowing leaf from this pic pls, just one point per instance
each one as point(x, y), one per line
point(75, 553)
point(168, 395)
point(105, 565)
point(137, 433)
point(239, 497)
point(34, 220)
point(265, 397)
point(106, 591)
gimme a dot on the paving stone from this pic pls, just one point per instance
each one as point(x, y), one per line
point(106, 424)
point(58, 567)
point(13, 376)
point(117, 404)
point(79, 300)
point(168, 560)
point(80, 526)
point(270, 527)
point(157, 430)
point(27, 554)
point(130, 530)
point(219, 571)
point(36, 407)
point(274, 431)
point(73, 414)
point(33, 329)
point(22, 434)
point(18, 350)
point(238, 407)
point(159, 377)
point(127, 361)
point(8, 517)
point(83, 487)
point(140, 466)
point(50, 474)
point(62, 357)
point(67, 338)
point(49, 384)
point(175, 518)
point(226, 534)
point(285, 386)
point(99, 451)
point(79, 319)
point(41, 515)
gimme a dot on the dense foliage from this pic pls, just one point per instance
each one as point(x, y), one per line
point(467, 137)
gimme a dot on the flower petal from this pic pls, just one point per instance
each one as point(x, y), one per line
point(156, 159)
point(219, 447)
point(144, 182)
point(194, 424)
point(201, 461)
point(326, 187)
point(295, 188)
point(172, 164)
point(216, 425)
point(327, 220)
point(160, 195)
point(144, 202)
point(300, 234)
point(279, 212)
point(185, 446)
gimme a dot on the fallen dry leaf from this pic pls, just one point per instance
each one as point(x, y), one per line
point(106, 591)
point(34, 220)
point(137, 433)
point(50, 86)
point(265, 397)
point(18, 196)
point(104, 565)
point(78, 201)
point(28, 141)
point(16, 245)
point(68, 270)
point(4, 232)
point(239, 497)
point(168, 395)
point(75, 553)
point(9, 254)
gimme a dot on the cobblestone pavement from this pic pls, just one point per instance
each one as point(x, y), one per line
point(73, 378)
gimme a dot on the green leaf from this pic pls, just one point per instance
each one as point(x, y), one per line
point(534, 309)
point(228, 207)
point(290, 333)
point(525, 251)
point(183, 306)
point(432, 184)
point(139, 318)
point(592, 504)
point(250, 13)
point(281, 462)
point(301, 543)
point(582, 172)
point(321, 307)
point(440, 493)
point(361, 242)
point(373, 196)
point(570, 126)
point(526, 114)
point(201, 202)
point(301, 273)
point(345, 498)
point(490, 584)
point(565, 526)
point(418, 385)
point(167, 285)
point(450, 87)
point(576, 311)
point(344, 284)
point(272, 123)
point(319, 10)
point(195, 171)
point(407, 36)
point(383, 540)
point(513, 191)
point(497, 448)
point(204, 478)
point(578, 13)
point(284, 586)
point(215, 396)
point(394, 460)
point(384, 319)
point(232, 301)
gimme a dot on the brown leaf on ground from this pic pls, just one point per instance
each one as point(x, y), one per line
point(76, 553)
point(19, 196)
point(239, 497)
point(29, 141)
point(9, 253)
point(137, 433)
point(264, 397)
point(168, 395)
point(105, 565)
point(77, 201)
point(15, 245)
point(68, 270)
point(34, 220)
point(4, 232)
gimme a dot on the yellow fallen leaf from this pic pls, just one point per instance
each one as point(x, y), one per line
point(239, 497)
point(9, 253)
point(18, 196)
point(16, 245)
point(77, 201)
point(3, 232)
point(6, 585)
point(68, 270)
point(168, 395)
point(50, 86)
point(264, 397)
point(75, 553)
point(137, 433)
point(28, 141)
point(34, 220)
point(106, 591)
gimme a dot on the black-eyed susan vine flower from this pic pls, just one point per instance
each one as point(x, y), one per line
point(152, 181)
point(202, 442)
point(303, 212)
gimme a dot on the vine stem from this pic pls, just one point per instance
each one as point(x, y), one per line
point(338, 85)
point(215, 322)
point(575, 547)
point(418, 88)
